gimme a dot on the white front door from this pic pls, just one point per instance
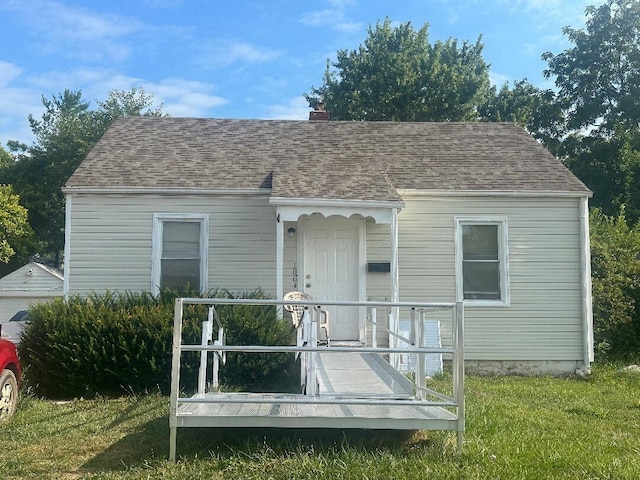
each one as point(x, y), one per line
point(331, 270)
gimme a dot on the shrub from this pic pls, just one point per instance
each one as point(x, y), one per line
point(121, 342)
point(615, 260)
point(254, 325)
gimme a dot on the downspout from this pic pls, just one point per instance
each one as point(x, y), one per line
point(67, 245)
point(587, 298)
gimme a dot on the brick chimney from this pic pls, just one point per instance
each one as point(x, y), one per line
point(318, 113)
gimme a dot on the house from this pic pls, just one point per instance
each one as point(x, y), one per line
point(433, 212)
point(29, 284)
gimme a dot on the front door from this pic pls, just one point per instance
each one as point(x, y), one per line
point(331, 273)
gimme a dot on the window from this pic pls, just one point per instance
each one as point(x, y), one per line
point(179, 251)
point(482, 275)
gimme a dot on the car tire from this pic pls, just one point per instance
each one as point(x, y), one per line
point(8, 394)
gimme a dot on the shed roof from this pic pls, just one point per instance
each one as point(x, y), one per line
point(331, 160)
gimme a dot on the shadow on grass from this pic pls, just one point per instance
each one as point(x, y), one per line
point(149, 444)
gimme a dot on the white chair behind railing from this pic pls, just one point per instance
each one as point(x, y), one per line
point(296, 312)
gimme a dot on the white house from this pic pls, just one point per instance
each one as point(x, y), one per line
point(432, 212)
point(29, 284)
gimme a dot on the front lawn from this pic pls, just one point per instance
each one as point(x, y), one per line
point(517, 428)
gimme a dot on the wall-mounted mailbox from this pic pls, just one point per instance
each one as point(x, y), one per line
point(379, 267)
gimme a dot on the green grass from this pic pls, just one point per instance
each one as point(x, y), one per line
point(517, 428)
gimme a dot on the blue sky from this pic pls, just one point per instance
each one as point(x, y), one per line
point(240, 58)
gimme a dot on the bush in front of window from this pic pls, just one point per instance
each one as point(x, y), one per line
point(120, 343)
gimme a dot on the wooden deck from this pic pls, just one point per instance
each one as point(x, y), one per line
point(357, 390)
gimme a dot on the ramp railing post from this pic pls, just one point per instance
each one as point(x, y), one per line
point(175, 377)
point(458, 369)
point(419, 343)
point(374, 328)
point(206, 337)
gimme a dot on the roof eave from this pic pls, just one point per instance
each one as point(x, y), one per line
point(333, 202)
point(165, 190)
point(496, 193)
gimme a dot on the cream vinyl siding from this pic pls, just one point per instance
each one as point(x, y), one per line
point(543, 320)
point(111, 240)
point(378, 238)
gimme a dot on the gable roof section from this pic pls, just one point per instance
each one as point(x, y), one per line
point(325, 160)
point(32, 277)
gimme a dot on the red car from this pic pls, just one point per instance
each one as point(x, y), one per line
point(10, 372)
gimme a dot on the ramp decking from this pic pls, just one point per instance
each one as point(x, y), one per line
point(356, 390)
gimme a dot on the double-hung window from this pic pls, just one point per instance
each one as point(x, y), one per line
point(482, 272)
point(179, 251)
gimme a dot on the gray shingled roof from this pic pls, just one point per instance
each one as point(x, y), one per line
point(332, 160)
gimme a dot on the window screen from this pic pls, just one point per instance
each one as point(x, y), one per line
point(180, 263)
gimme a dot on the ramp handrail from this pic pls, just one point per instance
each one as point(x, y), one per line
point(307, 347)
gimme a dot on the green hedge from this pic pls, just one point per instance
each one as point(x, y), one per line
point(119, 343)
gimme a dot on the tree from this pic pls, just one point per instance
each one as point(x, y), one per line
point(534, 109)
point(599, 77)
point(6, 160)
point(131, 103)
point(65, 134)
point(14, 227)
point(397, 75)
point(598, 81)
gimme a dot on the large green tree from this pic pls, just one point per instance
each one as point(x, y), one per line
point(14, 227)
point(398, 75)
point(64, 134)
point(598, 79)
point(598, 83)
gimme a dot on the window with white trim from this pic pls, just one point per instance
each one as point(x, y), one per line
point(179, 251)
point(482, 273)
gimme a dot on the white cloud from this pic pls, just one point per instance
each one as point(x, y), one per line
point(498, 79)
point(334, 18)
point(551, 13)
point(225, 53)
point(296, 109)
point(16, 103)
point(75, 31)
point(180, 97)
point(185, 98)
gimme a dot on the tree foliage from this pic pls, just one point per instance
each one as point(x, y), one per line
point(14, 227)
point(598, 82)
point(397, 75)
point(6, 160)
point(598, 79)
point(531, 107)
point(64, 134)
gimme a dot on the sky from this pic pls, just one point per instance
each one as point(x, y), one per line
point(241, 58)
